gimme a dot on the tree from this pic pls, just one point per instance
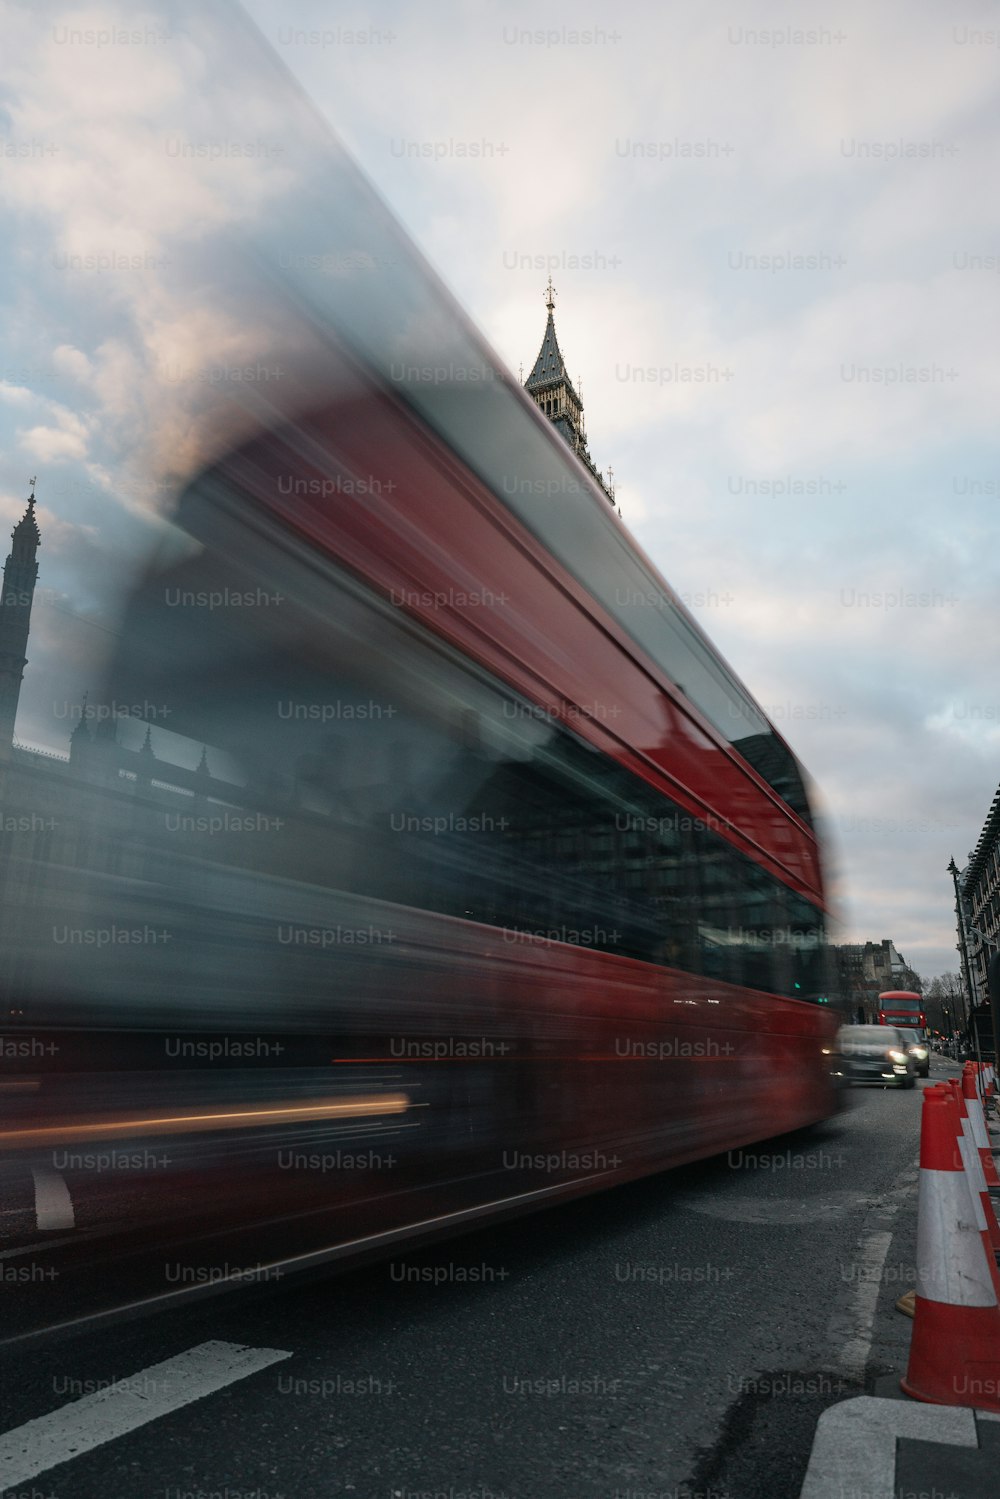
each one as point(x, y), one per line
point(942, 1002)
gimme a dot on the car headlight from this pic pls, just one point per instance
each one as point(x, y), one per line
point(918, 1051)
point(897, 1056)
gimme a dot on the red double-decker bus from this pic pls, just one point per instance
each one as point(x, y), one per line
point(457, 872)
point(903, 1008)
point(489, 862)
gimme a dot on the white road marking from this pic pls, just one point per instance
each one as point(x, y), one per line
point(13, 1254)
point(851, 1327)
point(53, 1204)
point(129, 1403)
point(854, 1450)
point(855, 1322)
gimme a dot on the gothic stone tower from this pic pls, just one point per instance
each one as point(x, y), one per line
point(553, 392)
point(19, 576)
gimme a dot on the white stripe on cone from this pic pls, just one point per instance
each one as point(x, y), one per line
point(974, 1109)
point(981, 1203)
point(974, 1177)
point(951, 1261)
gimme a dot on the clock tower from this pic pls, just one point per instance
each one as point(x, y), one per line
point(553, 392)
point(19, 577)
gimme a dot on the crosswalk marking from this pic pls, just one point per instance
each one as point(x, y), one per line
point(53, 1204)
point(129, 1403)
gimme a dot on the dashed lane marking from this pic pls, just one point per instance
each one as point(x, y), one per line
point(854, 1322)
point(13, 1254)
point(53, 1204)
point(126, 1405)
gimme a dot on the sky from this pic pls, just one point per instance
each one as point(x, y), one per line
point(775, 240)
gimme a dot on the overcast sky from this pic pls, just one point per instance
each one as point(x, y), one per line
point(774, 232)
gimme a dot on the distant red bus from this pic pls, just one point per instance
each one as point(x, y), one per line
point(902, 1007)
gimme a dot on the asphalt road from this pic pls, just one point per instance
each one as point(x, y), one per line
point(675, 1337)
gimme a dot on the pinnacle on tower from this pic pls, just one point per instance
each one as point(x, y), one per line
point(80, 741)
point(26, 533)
point(553, 392)
point(145, 762)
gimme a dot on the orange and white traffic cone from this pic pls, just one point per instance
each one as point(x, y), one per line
point(955, 1350)
point(986, 1221)
point(989, 1229)
point(977, 1118)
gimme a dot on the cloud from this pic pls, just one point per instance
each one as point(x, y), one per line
point(72, 362)
point(67, 439)
point(16, 395)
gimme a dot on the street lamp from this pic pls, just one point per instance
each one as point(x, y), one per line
point(963, 946)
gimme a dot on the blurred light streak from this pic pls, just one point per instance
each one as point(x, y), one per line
point(178, 1124)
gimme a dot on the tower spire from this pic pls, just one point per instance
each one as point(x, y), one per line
point(553, 392)
point(80, 740)
point(17, 593)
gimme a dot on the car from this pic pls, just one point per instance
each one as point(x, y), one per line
point(876, 1054)
point(916, 1045)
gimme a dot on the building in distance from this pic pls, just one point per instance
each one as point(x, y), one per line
point(867, 969)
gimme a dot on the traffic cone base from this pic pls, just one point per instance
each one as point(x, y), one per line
point(970, 1374)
